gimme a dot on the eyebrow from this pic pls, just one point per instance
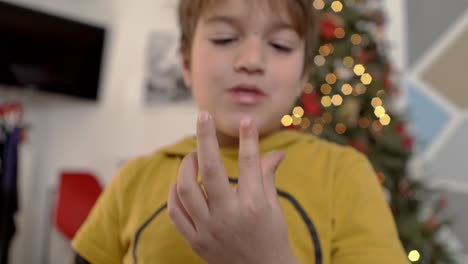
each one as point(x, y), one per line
point(237, 22)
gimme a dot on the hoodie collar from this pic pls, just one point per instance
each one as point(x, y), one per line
point(276, 141)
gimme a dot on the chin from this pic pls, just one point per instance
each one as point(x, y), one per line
point(230, 127)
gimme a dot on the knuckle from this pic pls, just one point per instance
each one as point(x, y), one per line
point(198, 245)
point(217, 233)
point(172, 211)
point(209, 170)
point(246, 158)
point(183, 189)
point(252, 207)
point(220, 225)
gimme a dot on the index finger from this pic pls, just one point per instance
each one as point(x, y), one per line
point(212, 171)
point(250, 170)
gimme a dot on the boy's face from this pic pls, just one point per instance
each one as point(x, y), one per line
point(246, 61)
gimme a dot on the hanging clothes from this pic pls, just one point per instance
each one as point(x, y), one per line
point(10, 136)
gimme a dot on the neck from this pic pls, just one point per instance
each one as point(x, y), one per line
point(226, 141)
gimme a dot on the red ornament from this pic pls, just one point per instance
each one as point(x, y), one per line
point(403, 188)
point(408, 142)
point(431, 223)
point(293, 127)
point(358, 145)
point(365, 57)
point(362, 57)
point(328, 24)
point(386, 83)
point(400, 129)
point(311, 105)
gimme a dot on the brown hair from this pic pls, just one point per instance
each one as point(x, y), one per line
point(302, 13)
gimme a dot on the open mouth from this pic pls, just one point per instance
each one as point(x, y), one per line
point(246, 94)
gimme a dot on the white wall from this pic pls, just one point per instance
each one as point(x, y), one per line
point(72, 134)
point(396, 33)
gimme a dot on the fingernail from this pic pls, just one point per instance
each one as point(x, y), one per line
point(245, 122)
point(203, 116)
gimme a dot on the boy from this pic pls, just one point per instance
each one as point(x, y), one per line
point(212, 199)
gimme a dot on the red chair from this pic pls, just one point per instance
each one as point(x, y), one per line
point(77, 193)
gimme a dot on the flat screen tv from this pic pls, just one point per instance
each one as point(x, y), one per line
point(49, 53)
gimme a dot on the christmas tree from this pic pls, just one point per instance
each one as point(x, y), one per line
point(349, 101)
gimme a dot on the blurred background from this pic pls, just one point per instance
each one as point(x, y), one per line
point(125, 98)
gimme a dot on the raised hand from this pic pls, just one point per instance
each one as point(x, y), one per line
point(224, 224)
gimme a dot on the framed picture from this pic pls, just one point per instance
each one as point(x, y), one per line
point(164, 81)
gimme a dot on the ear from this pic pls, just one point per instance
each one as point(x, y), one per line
point(186, 67)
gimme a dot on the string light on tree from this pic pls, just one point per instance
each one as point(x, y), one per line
point(327, 118)
point(376, 101)
point(385, 120)
point(366, 78)
point(379, 111)
point(414, 256)
point(319, 60)
point(376, 126)
point(331, 78)
point(326, 101)
point(348, 62)
point(305, 123)
point(360, 89)
point(356, 39)
point(347, 89)
point(324, 50)
point(364, 122)
point(337, 100)
point(337, 6)
point(340, 33)
point(308, 88)
point(287, 120)
point(340, 128)
point(319, 4)
point(296, 120)
point(381, 93)
point(359, 69)
point(381, 177)
point(325, 88)
point(298, 111)
point(317, 129)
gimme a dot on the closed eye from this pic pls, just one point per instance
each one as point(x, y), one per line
point(281, 48)
point(223, 41)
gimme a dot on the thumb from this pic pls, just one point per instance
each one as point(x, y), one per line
point(270, 163)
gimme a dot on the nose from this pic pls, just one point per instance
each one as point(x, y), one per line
point(250, 57)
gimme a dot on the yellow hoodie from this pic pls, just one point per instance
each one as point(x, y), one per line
point(332, 202)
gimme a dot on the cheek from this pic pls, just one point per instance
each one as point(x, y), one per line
point(209, 77)
point(208, 67)
point(288, 78)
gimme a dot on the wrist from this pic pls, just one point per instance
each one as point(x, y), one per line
point(293, 260)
